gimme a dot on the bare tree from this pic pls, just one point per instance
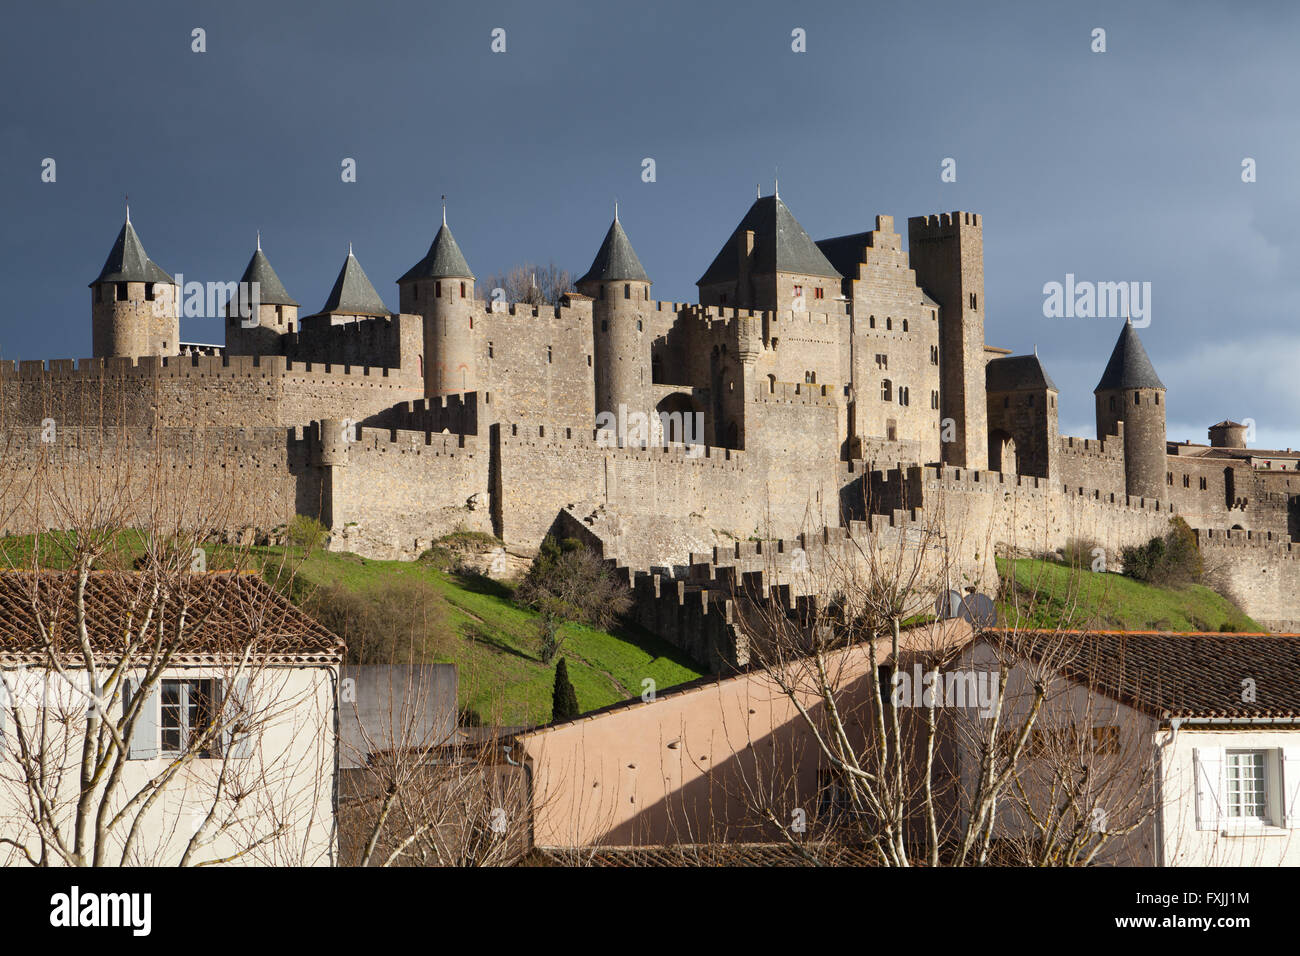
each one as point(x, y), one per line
point(152, 711)
point(924, 757)
point(423, 792)
point(528, 283)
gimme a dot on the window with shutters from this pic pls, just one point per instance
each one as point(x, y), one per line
point(189, 708)
point(1246, 785)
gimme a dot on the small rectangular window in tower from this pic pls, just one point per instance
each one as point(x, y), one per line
point(873, 321)
point(1203, 486)
point(627, 290)
point(604, 325)
point(491, 350)
point(638, 325)
point(588, 361)
point(819, 293)
point(798, 290)
point(121, 291)
point(548, 353)
point(973, 302)
point(1169, 478)
point(149, 292)
point(462, 290)
point(1187, 481)
point(437, 289)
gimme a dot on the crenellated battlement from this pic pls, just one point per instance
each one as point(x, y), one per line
point(1282, 546)
point(564, 439)
point(965, 479)
point(1111, 448)
point(188, 367)
point(940, 224)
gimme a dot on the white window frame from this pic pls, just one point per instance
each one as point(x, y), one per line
point(214, 750)
point(1281, 790)
point(1266, 759)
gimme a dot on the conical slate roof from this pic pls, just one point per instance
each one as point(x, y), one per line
point(270, 290)
point(352, 293)
point(616, 260)
point(443, 260)
point(1129, 366)
point(128, 261)
point(780, 245)
point(1013, 373)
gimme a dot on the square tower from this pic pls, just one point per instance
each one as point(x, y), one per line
point(947, 253)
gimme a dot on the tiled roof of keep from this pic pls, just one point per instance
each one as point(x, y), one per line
point(1188, 675)
point(780, 245)
point(225, 613)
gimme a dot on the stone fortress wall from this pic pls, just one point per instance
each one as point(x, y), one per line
point(844, 389)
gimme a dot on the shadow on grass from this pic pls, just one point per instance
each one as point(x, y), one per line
point(654, 645)
point(472, 632)
point(481, 584)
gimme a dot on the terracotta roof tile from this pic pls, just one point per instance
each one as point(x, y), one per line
point(1196, 675)
point(224, 612)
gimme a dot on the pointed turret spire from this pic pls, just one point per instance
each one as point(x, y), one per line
point(444, 259)
point(1129, 367)
point(128, 262)
point(616, 260)
point(270, 290)
point(353, 293)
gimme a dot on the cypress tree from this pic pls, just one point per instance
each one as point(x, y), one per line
point(564, 699)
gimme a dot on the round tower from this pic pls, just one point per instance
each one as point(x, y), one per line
point(1228, 434)
point(620, 292)
point(1132, 393)
point(277, 311)
point(133, 303)
point(440, 288)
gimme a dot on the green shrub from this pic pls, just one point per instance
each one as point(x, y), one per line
point(305, 532)
point(402, 620)
point(567, 582)
point(1174, 558)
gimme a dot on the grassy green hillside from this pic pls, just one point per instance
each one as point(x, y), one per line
point(501, 677)
point(1052, 595)
point(493, 641)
